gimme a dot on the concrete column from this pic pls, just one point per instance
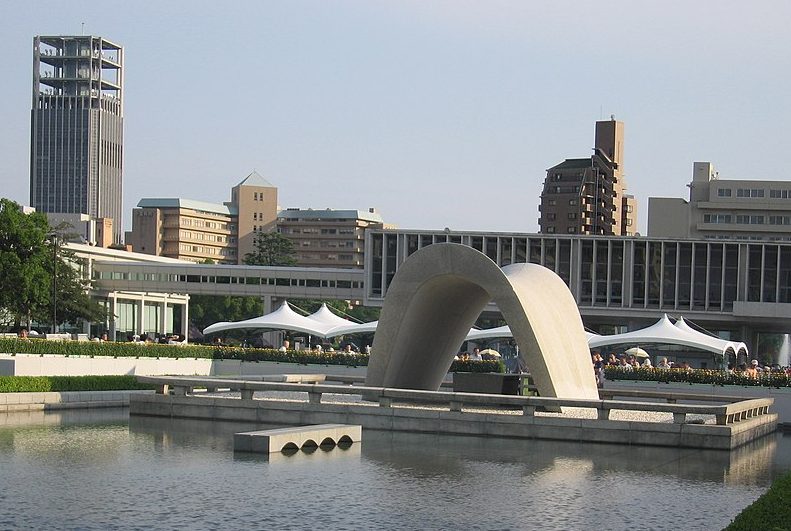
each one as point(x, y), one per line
point(141, 309)
point(163, 315)
point(185, 321)
point(112, 318)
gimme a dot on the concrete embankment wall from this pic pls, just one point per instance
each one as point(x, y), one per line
point(13, 402)
point(423, 420)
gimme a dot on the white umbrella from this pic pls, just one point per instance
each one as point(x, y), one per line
point(637, 352)
point(490, 352)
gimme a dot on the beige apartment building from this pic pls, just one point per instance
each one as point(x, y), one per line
point(196, 230)
point(328, 238)
point(586, 195)
point(723, 209)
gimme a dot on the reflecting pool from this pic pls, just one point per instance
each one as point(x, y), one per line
point(103, 470)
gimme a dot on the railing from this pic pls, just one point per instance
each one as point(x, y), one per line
point(386, 397)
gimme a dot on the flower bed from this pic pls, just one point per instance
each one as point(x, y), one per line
point(698, 376)
point(154, 350)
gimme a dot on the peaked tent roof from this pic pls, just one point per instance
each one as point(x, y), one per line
point(284, 318)
point(325, 316)
point(737, 347)
point(663, 332)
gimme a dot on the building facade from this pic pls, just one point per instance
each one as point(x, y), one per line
point(724, 209)
point(185, 229)
point(586, 196)
point(77, 124)
point(328, 238)
point(739, 288)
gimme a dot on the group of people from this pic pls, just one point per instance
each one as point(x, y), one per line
point(162, 339)
point(629, 362)
point(474, 356)
point(348, 348)
point(755, 370)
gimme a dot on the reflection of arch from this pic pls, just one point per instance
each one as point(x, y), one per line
point(440, 291)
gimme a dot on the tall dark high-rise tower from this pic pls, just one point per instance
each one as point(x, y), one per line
point(77, 125)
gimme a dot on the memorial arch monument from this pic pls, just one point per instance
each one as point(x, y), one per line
point(439, 292)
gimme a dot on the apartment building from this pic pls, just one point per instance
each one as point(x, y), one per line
point(186, 229)
point(724, 209)
point(586, 195)
point(328, 238)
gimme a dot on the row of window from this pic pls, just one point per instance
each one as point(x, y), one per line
point(754, 192)
point(258, 196)
point(205, 236)
point(222, 251)
point(328, 244)
point(214, 279)
point(303, 257)
point(202, 223)
point(746, 219)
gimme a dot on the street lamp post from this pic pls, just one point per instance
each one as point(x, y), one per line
point(54, 239)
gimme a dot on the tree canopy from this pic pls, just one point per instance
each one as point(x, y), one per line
point(28, 254)
point(271, 249)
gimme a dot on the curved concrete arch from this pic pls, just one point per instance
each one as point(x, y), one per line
point(439, 292)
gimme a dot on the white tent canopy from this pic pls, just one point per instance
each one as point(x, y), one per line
point(504, 331)
point(284, 318)
point(737, 347)
point(325, 316)
point(352, 328)
point(663, 332)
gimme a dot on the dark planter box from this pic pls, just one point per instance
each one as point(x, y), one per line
point(486, 382)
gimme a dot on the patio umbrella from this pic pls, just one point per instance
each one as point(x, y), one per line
point(491, 352)
point(637, 352)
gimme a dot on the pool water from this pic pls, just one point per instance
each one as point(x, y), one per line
point(105, 470)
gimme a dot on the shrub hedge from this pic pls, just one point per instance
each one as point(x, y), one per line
point(154, 350)
point(703, 376)
point(770, 511)
point(44, 384)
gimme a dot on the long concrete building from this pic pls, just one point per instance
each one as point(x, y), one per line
point(737, 288)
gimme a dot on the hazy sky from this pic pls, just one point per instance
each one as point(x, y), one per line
point(438, 113)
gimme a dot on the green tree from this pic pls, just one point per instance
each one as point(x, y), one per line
point(27, 259)
point(209, 309)
point(271, 249)
point(25, 283)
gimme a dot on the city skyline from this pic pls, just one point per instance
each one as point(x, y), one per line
point(439, 115)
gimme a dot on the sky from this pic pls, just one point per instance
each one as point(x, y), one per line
point(437, 113)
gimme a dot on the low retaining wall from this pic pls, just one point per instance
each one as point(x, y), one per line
point(52, 365)
point(13, 402)
point(782, 396)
